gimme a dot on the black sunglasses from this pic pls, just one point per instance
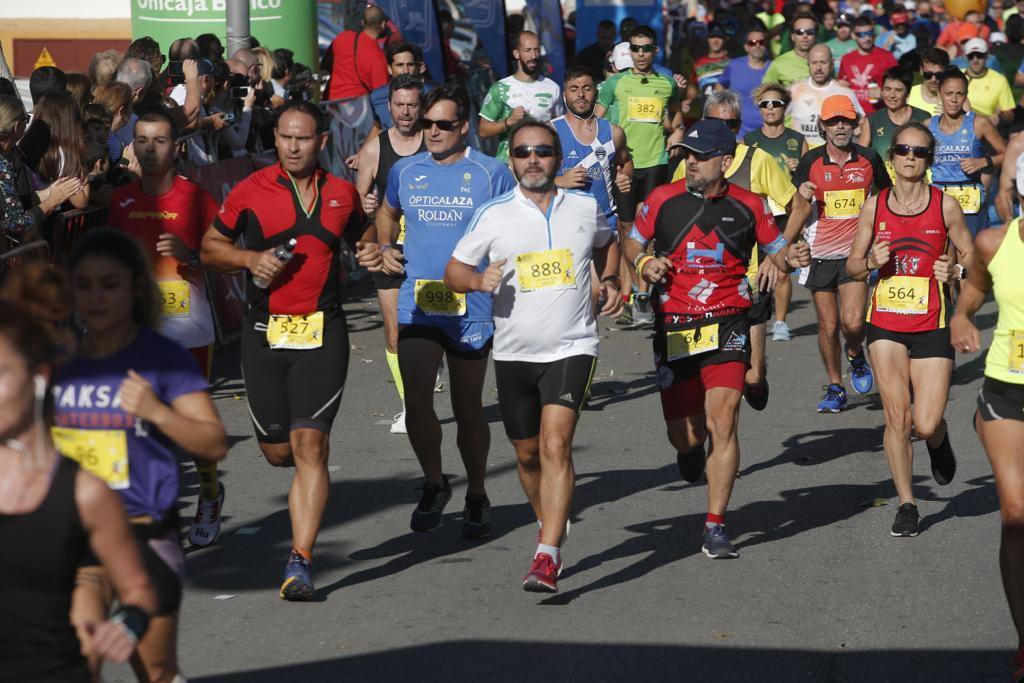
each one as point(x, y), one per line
point(446, 126)
point(699, 156)
point(642, 48)
point(732, 123)
point(755, 43)
point(524, 151)
point(771, 104)
point(805, 31)
point(930, 75)
point(904, 150)
point(977, 55)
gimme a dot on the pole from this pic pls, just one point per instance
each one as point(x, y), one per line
point(238, 26)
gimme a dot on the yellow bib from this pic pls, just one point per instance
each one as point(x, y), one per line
point(968, 196)
point(103, 452)
point(1016, 364)
point(296, 332)
point(548, 269)
point(433, 298)
point(686, 343)
point(175, 298)
point(645, 109)
point(903, 294)
point(843, 203)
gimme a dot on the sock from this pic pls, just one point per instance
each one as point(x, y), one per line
point(208, 487)
point(714, 519)
point(395, 373)
point(550, 550)
point(306, 554)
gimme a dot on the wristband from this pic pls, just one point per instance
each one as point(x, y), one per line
point(988, 159)
point(641, 263)
point(134, 620)
point(385, 247)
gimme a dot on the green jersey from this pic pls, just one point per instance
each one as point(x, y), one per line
point(641, 102)
point(840, 48)
point(541, 99)
point(882, 129)
point(787, 68)
point(786, 146)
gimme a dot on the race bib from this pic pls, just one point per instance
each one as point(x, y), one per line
point(645, 109)
point(175, 299)
point(296, 332)
point(401, 230)
point(902, 294)
point(103, 452)
point(548, 269)
point(433, 298)
point(1016, 364)
point(843, 203)
point(686, 343)
point(967, 196)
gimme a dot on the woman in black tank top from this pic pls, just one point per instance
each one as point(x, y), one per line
point(50, 512)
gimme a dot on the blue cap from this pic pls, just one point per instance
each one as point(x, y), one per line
point(709, 136)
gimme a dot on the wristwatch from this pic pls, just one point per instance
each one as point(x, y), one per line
point(193, 258)
point(961, 271)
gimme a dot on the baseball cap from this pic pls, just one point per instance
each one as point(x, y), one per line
point(709, 136)
point(621, 58)
point(998, 38)
point(966, 32)
point(716, 30)
point(844, 19)
point(899, 17)
point(208, 68)
point(838, 105)
point(975, 45)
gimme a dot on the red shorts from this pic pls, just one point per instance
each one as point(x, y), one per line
point(685, 397)
point(204, 357)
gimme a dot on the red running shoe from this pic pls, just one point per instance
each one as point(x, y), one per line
point(543, 576)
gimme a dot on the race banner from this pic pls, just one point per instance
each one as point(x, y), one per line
point(350, 123)
point(488, 20)
point(547, 17)
point(417, 20)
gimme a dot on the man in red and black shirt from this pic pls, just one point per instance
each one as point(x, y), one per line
point(839, 176)
point(703, 230)
point(295, 343)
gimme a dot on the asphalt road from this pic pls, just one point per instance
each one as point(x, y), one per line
point(821, 590)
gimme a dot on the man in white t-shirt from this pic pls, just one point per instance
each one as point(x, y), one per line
point(806, 96)
point(526, 93)
point(538, 242)
point(199, 148)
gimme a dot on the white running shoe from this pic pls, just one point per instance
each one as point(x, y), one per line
point(398, 426)
point(780, 331)
point(206, 525)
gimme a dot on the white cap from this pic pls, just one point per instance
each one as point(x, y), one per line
point(1020, 174)
point(910, 5)
point(998, 38)
point(621, 57)
point(865, 8)
point(975, 45)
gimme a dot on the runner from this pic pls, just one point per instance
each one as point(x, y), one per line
point(403, 59)
point(959, 157)
point(808, 95)
point(839, 176)
point(648, 106)
point(878, 131)
point(438, 193)
point(744, 74)
point(786, 146)
point(998, 421)
point(903, 232)
point(376, 158)
point(294, 342)
point(862, 69)
point(123, 406)
point(925, 95)
point(988, 90)
point(703, 229)
point(168, 215)
point(51, 506)
point(595, 158)
point(790, 67)
point(527, 92)
point(540, 241)
point(843, 42)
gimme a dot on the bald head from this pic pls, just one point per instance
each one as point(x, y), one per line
point(820, 65)
point(373, 18)
point(527, 38)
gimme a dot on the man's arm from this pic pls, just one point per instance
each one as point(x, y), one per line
point(193, 94)
point(369, 158)
point(959, 234)
point(220, 252)
point(1008, 178)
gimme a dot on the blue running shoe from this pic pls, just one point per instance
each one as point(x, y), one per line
point(861, 376)
point(835, 399)
point(298, 584)
point(716, 544)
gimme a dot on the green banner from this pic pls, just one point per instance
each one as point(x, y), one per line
point(275, 23)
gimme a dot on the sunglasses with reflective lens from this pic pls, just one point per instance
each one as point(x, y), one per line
point(930, 75)
point(771, 104)
point(446, 126)
point(524, 151)
point(864, 34)
point(836, 120)
point(805, 32)
point(642, 48)
point(755, 43)
point(904, 150)
point(977, 55)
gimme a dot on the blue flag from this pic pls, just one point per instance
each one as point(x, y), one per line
point(417, 20)
point(488, 19)
point(547, 16)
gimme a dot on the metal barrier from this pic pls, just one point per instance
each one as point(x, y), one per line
point(64, 229)
point(39, 250)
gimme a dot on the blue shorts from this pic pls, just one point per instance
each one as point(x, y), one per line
point(463, 338)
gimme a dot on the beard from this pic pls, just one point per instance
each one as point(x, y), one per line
point(537, 183)
point(697, 183)
point(528, 70)
point(585, 114)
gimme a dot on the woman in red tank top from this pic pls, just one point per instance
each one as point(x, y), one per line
point(905, 233)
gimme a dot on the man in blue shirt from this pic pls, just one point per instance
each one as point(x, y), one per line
point(746, 73)
point(403, 58)
point(899, 41)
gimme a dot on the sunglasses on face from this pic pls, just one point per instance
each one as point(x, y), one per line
point(977, 55)
point(646, 49)
point(687, 153)
point(904, 150)
point(446, 126)
point(732, 123)
point(805, 31)
point(931, 75)
point(755, 43)
point(864, 34)
point(838, 120)
point(771, 104)
point(524, 151)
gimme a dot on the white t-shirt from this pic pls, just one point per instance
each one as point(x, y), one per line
point(543, 309)
point(805, 107)
point(197, 153)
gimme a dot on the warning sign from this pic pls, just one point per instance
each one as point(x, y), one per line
point(45, 59)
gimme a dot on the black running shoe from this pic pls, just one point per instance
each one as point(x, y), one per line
point(476, 517)
point(691, 464)
point(427, 515)
point(943, 461)
point(907, 518)
point(756, 395)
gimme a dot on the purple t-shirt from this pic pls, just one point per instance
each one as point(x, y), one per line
point(133, 456)
point(740, 77)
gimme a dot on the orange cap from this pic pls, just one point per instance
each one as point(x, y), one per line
point(838, 105)
point(966, 31)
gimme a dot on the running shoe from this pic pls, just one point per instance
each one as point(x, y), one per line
point(861, 376)
point(691, 464)
point(543, 575)
point(427, 515)
point(943, 461)
point(298, 584)
point(780, 331)
point(717, 545)
point(398, 426)
point(206, 525)
point(625, 319)
point(907, 518)
point(642, 313)
point(756, 395)
point(476, 517)
point(835, 399)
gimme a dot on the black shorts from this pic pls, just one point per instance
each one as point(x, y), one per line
point(826, 275)
point(524, 388)
point(465, 351)
point(644, 182)
point(385, 281)
point(930, 344)
point(999, 400)
point(294, 389)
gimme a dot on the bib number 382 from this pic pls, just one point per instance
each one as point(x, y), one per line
point(296, 332)
point(644, 109)
point(548, 269)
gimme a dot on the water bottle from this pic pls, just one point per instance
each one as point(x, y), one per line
point(872, 98)
point(284, 253)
